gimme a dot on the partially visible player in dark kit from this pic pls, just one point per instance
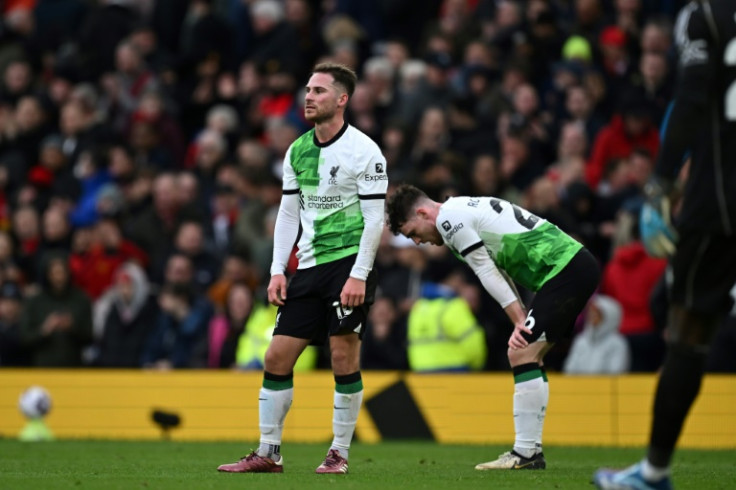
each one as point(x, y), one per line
point(702, 239)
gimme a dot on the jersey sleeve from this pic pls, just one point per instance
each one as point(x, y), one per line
point(694, 35)
point(491, 277)
point(371, 175)
point(457, 232)
point(286, 229)
point(289, 182)
point(372, 183)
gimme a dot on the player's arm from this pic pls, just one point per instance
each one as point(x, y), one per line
point(499, 288)
point(285, 233)
point(696, 74)
point(372, 183)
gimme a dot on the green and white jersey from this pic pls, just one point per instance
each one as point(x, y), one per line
point(331, 179)
point(531, 250)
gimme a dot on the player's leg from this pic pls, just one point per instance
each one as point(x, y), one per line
point(703, 284)
point(345, 327)
point(277, 392)
point(551, 316)
point(531, 395)
point(274, 401)
point(530, 404)
point(677, 389)
point(545, 402)
point(679, 382)
point(347, 398)
point(296, 325)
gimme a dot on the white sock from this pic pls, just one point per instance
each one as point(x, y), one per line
point(344, 417)
point(653, 473)
point(529, 406)
point(540, 425)
point(273, 405)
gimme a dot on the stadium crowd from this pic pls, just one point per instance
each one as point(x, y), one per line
point(141, 144)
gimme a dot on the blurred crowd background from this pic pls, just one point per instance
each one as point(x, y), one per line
point(141, 144)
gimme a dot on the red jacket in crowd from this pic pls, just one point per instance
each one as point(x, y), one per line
point(94, 270)
point(611, 143)
point(630, 277)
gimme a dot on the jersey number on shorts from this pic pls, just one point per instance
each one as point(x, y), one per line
point(530, 321)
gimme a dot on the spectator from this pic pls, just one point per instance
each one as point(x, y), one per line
point(27, 236)
point(179, 336)
point(630, 278)
point(153, 228)
point(384, 344)
point(179, 270)
point(579, 105)
point(31, 126)
point(56, 323)
point(226, 327)
point(9, 270)
point(276, 44)
point(444, 335)
point(91, 171)
point(108, 24)
point(631, 128)
point(236, 269)
point(12, 351)
point(94, 269)
point(599, 348)
point(190, 242)
point(126, 313)
point(56, 233)
point(52, 173)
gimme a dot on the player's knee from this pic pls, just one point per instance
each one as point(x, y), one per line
point(344, 360)
point(276, 362)
point(519, 356)
point(688, 328)
point(339, 357)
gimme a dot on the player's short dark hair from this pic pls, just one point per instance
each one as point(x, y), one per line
point(341, 73)
point(400, 203)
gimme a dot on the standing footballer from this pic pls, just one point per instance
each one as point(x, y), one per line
point(499, 239)
point(702, 123)
point(334, 188)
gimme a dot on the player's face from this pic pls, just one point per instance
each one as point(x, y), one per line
point(322, 98)
point(421, 229)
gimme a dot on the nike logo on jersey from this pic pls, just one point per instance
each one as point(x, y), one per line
point(301, 172)
point(340, 408)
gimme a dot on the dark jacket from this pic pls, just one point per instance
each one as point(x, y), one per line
point(60, 348)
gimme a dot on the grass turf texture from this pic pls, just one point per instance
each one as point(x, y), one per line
point(407, 465)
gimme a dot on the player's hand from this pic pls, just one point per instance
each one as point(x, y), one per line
point(517, 340)
point(655, 221)
point(277, 290)
point(353, 293)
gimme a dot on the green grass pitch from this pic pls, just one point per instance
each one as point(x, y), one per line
point(113, 465)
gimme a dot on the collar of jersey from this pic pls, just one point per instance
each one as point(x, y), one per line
point(331, 140)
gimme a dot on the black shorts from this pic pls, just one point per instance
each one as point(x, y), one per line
point(557, 304)
point(312, 309)
point(704, 272)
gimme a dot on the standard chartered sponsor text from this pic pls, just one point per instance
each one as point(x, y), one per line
point(324, 202)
